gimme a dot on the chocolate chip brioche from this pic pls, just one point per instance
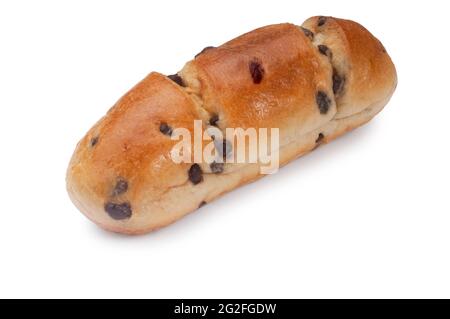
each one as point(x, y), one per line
point(313, 82)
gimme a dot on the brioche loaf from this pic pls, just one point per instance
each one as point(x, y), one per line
point(313, 82)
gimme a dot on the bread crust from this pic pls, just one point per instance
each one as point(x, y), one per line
point(293, 73)
point(122, 176)
point(360, 57)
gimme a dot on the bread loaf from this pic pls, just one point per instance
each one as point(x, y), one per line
point(313, 82)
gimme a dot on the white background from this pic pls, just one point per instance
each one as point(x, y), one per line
point(365, 216)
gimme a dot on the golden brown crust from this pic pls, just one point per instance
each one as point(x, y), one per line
point(293, 73)
point(121, 175)
point(360, 59)
point(130, 146)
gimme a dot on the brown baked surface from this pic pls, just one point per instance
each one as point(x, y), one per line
point(313, 82)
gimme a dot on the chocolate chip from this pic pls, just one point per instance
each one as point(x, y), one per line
point(177, 79)
point(94, 141)
point(213, 120)
point(223, 147)
point(308, 33)
point(195, 174)
point(204, 50)
point(323, 101)
point(216, 168)
point(324, 50)
point(256, 71)
point(319, 138)
point(338, 82)
point(321, 21)
point(165, 129)
point(121, 187)
point(118, 211)
point(203, 203)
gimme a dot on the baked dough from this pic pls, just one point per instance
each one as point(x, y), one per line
point(314, 82)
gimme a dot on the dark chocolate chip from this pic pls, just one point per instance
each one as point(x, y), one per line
point(165, 129)
point(121, 187)
point(323, 101)
point(321, 21)
point(256, 71)
point(338, 82)
point(319, 138)
point(308, 33)
point(203, 203)
point(195, 174)
point(94, 141)
point(325, 50)
point(118, 211)
point(216, 168)
point(177, 79)
point(213, 120)
point(223, 147)
point(204, 50)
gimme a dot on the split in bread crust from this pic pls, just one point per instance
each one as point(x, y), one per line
point(313, 82)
